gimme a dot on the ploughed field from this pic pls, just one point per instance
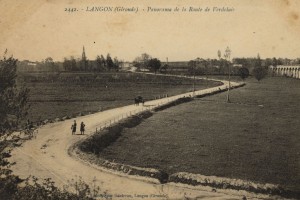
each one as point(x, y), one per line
point(256, 137)
point(58, 95)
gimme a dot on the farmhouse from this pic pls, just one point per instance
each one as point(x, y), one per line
point(125, 66)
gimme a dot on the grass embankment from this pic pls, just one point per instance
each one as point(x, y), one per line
point(256, 137)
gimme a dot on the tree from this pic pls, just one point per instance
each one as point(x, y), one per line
point(268, 62)
point(116, 64)
point(219, 54)
point(49, 62)
point(13, 101)
point(145, 58)
point(103, 61)
point(243, 72)
point(259, 72)
point(50, 65)
point(70, 64)
point(205, 64)
point(258, 61)
point(154, 64)
point(100, 63)
point(274, 62)
point(142, 61)
point(73, 64)
point(109, 62)
point(194, 68)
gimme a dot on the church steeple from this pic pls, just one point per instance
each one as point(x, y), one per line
point(83, 60)
point(83, 54)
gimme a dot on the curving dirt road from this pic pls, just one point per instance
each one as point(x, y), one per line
point(47, 156)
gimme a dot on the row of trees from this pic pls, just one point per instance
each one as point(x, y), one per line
point(258, 67)
point(201, 66)
point(239, 66)
point(100, 64)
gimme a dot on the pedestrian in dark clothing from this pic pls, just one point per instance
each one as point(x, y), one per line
point(73, 127)
point(82, 128)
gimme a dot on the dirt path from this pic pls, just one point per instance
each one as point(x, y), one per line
point(47, 156)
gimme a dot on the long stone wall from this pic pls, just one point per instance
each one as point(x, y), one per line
point(290, 71)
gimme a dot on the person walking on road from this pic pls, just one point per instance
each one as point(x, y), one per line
point(82, 128)
point(73, 127)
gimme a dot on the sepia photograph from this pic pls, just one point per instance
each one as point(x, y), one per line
point(149, 99)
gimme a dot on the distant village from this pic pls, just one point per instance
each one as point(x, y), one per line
point(197, 66)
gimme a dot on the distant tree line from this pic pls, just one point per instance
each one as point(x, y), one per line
point(242, 67)
point(200, 66)
point(100, 64)
point(251, 62)
point(45, 65)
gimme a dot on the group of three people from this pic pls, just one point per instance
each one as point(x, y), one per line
point(82, 128)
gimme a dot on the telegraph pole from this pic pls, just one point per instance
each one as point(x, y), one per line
point(194, 78)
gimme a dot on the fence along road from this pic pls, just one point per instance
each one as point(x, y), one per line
point(47, 156)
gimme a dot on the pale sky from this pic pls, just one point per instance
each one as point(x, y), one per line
point(36, 29)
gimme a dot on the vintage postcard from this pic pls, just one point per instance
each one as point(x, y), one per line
point(149, 99)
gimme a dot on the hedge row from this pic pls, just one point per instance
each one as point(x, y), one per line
point(97, 142)
point(173, 103)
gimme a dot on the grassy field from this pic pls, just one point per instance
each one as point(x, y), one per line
point(256, 137)
point(54, 95)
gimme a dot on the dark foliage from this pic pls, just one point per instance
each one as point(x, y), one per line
point(243, 73)
point(259, 72)
point(13, 100)
point(154, 64)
